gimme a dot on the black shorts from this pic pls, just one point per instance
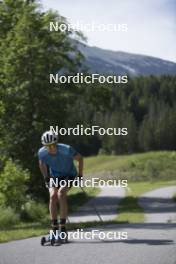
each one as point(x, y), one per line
point(58, 182)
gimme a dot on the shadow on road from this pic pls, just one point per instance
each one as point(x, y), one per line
point(156, 226)
point(158, 205)
point(106, 204)
point(153, 242)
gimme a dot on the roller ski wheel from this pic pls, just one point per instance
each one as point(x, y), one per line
point(50, 241)
point(55, 242)
point(43, 241)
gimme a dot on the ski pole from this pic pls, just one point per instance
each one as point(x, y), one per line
point(93, 205)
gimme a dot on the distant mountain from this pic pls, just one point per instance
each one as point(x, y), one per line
point(103, 61)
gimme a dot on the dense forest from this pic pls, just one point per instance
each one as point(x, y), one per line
point(29, 105)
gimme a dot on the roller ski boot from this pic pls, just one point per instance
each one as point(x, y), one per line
point(63, 236)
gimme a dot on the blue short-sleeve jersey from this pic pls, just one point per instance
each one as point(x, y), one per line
point(60, 164)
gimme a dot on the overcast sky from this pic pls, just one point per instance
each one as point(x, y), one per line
point(151, 24)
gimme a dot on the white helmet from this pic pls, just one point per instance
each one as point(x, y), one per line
point(48, 138)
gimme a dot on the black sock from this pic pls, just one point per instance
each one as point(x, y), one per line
point(62, 224)
point(54, 224)
point(63, 229)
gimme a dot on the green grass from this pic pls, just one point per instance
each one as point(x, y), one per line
point(22, 231)
point(25, 230)
point(159, 165)
point(145, 172)
point(76, 198)
point(129, 209)
point(139, 188)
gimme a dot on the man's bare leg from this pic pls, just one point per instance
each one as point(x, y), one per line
point(53, 208)
point(53, 203)
point(62, 194)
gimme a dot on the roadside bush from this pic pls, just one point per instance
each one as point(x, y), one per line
point(151, 170)
point(8, 217)
point(13, 186)
point(33, 211)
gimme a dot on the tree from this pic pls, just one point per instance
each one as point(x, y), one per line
point(28, 54)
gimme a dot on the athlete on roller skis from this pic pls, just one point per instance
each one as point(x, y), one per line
point(56, 161)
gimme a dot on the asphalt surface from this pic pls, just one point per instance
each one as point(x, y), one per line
point(105, 203)
point(159, 206)
point(146, 243)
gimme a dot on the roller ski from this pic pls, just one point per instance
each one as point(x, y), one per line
point(55, 238)
point(52, 239)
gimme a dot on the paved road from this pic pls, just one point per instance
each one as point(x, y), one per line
point(146, 243)
point(159, 206)
point(106, 203)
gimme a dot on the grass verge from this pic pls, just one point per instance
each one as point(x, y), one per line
point(158, 166)
point(23, 230)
